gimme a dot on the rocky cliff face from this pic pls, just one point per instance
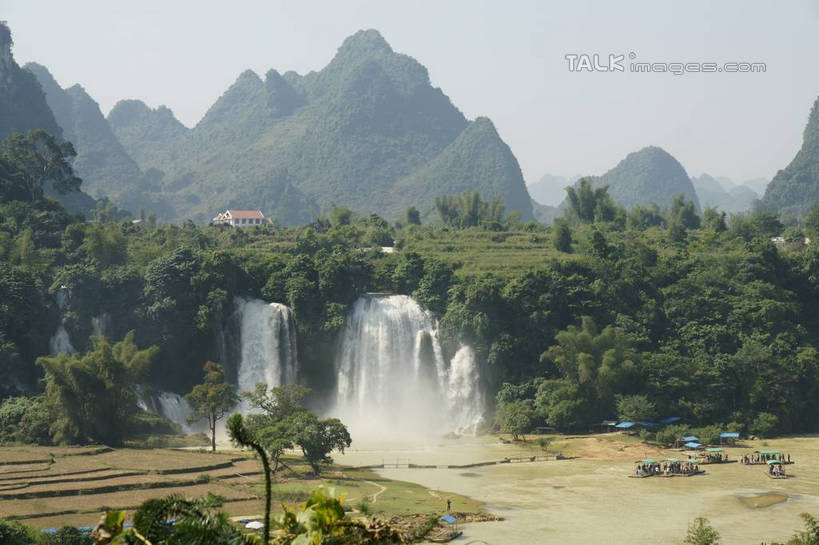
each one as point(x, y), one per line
point(23, 104)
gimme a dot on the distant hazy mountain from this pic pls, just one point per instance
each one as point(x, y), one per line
point(795, 189)
point(102, 163)
point(367, 131)
point(550, 190)
point(723, 194)
point(757, 185)
point(545, 213)
point(23, 107)
point(648, 176)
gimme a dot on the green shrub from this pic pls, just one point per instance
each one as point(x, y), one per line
point(765, 425)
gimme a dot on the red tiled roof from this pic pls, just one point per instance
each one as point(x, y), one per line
point(249, 214)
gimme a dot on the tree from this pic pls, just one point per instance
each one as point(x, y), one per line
point(33, 161)
point(469, 210)
point(323, 519)
point(684, 212)
point(91, 395)
point(413, 216)
point(589, 204)
point(14, 533)
point(514, 418)
point(318, 438)
point(562, 236)
point(274, 427)
point(595, 365)
point(635, 408)
point(713, 220)
point(812, 221)
point(243, 437)
point(700, 532)
point(765, 424)
point(212, 399)
point(340, 215)
point(811, 534)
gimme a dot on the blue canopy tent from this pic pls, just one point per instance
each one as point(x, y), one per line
point(729, 436)
point(690, 438)
point(670, 420)
point(692, 445)
point(624, 425)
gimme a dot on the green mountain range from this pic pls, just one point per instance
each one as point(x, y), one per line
point(648, 176)
point(367, 131)
point(795, 189)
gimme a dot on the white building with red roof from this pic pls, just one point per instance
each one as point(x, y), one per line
point(240, 218)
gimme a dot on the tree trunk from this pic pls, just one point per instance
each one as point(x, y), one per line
point(212, 432)
point(268, 490)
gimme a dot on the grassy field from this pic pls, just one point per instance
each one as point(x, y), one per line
point(48, 487)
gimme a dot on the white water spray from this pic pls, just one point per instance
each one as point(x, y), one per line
point(391, 374)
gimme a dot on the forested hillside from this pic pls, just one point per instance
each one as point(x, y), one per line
point(795, 189)
point(648, 176)
point(710, 322)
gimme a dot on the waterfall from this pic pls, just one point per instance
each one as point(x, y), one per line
point(174, 408)
point(61, 341)
point(464, 395)
point(101, 324)
point(391, 373)
point(268, 344)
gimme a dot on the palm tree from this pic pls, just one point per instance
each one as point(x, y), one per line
point(242, 437)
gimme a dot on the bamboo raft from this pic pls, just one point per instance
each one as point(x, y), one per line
point(445, 536)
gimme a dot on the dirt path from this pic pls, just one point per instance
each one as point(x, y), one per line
point(381, 490)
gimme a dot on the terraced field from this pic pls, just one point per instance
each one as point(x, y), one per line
point(44, 487)
point(50, 487)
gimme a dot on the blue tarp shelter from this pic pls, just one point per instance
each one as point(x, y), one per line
point(690, 438)
point(693, 445)
point(624, 425)
point(729, 436)
point(449, 519)
point(648, 424)
point(669, 420)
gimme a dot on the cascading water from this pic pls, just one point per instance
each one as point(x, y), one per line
point(174, 407)
point(391, 374)
point(101, 324)
point(61, 341)
point(464, 395)
point(268, 344)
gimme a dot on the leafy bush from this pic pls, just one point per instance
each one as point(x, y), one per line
point(765, 425)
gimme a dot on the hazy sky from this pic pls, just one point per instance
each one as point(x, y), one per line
point(505, 60)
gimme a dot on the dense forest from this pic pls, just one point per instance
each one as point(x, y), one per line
point(659, 311)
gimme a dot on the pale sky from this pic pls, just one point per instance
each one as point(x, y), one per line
point(505, 60)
